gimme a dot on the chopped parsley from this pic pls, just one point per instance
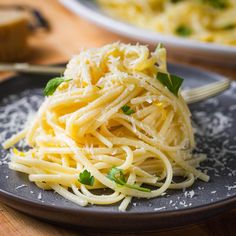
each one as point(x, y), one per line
point(172, 82)
point(117, 175)
point(229, 27)
point(219, 4)
point(175, 1)
point(53, 84)
point(183, 31)
point(86, 178)
point(159, 46)
point(127, 110)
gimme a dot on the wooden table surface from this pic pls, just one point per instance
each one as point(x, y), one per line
point(70, 34)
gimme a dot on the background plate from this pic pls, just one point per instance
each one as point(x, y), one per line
point(187, 48)
point(215, 123)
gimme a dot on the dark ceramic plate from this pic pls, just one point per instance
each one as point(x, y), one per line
point(215, 124)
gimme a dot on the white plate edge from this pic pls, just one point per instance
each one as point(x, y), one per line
point(125, 29)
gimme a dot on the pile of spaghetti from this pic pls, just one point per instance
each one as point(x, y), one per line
point(115, 120)
point(204, 20)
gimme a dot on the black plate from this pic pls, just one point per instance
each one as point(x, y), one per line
point(215, 123)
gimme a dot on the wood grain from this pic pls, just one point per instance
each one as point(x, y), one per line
point(69, 34)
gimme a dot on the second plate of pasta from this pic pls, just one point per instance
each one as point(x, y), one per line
point(217, 46)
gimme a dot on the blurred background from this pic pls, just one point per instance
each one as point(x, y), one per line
point(46, 32)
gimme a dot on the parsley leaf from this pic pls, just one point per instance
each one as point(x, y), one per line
point(229, 27)
point(183, 31)
point(172, 82)
point(159, 46)
point(219, 4)
point(127, 110)
point(53, 84)
point(135, 186)
point(117, 175)
point(175, 1)
point(86, 178)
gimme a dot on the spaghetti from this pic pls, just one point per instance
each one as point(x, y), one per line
point(111, 122)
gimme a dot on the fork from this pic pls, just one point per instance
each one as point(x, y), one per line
point(190, 95)
point(203, 92)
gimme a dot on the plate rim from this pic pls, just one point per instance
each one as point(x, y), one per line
point(134, 32)
point(214, 205)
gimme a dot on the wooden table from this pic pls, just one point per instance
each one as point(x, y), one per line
point(69, 34)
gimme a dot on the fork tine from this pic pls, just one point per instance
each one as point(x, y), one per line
point(204, 92)
point(209, 87)
point(200, 97)
point(209, 90)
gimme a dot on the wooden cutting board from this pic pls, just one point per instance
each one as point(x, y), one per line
point(69, 34)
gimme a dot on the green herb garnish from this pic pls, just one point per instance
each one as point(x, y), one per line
point(172, 82)
point(127, 110)
point(117, 175)
point(86, 178)
point(159, 46)
point(219, 4)
point(183, 31)
point(175, 1)
point(53, 84)
point(229, 27)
